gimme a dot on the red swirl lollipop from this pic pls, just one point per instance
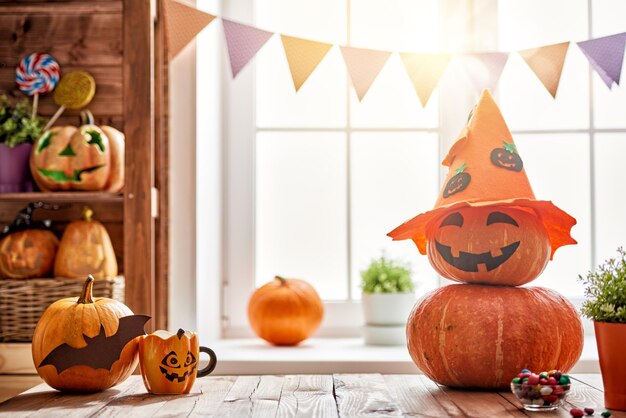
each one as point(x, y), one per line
point(37, 74)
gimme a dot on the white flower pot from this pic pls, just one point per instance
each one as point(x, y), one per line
point(385, 317)
point(387, 308)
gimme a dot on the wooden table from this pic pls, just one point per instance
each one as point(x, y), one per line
point(339, 395)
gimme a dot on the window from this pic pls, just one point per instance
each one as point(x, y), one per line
point(313, 181)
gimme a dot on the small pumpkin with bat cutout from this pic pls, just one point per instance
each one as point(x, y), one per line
point(85, 248)
point(87, 157)
point(169, 362)
point(86, 344)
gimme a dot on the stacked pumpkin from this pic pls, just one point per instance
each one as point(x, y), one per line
point(488, 231)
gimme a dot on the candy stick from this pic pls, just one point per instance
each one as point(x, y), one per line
point(37, 74)
point(75, 91)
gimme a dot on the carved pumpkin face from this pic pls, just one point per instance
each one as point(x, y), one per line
point(169, 362)
point(490, 244)
point(27, 254)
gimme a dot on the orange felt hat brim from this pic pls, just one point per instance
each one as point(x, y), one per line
point(557, 222)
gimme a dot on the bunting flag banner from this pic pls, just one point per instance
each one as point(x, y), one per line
point(243, 42)
point(363, 66)
point(547, 64)
point(424, 70)
point(606, 56)
point(484, 68)
point(303, 57)
point(182, 24)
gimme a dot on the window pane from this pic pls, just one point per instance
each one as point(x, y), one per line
point(558, 168)
point(525, 102)
point(394, 177)
point(301, 209)
point(610, 198)
point(321, 101)
point(399, 25)
point(609, 105)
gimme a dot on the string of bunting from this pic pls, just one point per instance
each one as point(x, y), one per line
point(183, 23)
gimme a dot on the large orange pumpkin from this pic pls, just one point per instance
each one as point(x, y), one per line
point(466, 335)
point(85, 248)
point(88, 157)
point(285, 311)
point(86, 325)
point(490, 244)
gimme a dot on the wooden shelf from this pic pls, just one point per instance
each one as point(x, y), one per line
point(62, 197)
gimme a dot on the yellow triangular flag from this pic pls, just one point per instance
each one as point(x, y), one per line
point(547, 64)
point(424, 70)
point(303, 57)
point(182, 24)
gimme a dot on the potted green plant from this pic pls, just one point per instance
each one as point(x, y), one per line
point(17, 133)
point(605, 304)
point(388, 296)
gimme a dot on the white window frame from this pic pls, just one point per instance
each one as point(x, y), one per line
point(342, 318)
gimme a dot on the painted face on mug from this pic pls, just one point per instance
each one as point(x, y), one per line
point(493, 245)
point(169, 362)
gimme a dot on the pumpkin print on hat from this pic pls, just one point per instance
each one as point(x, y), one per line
point(487, 177)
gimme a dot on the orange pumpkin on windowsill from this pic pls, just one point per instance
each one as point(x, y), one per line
point(285, 311)
point(87, 157)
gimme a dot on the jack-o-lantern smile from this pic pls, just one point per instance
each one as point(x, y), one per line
point(498, 245)
point(507, 157)
point(174, 369)
point(470, 261)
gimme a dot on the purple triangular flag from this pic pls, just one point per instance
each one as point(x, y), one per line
point(484, 68)
point(243, 43)
point(606, 55)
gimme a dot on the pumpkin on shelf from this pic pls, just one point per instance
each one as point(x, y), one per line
point(285, 311)
point(88, 158)
point(85, 248)
point(481, 336)
point(87, 344)
point(27, 247)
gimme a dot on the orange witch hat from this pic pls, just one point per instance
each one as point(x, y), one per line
point(486, 170)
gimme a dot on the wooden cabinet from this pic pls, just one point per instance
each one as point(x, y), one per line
point(120, 42)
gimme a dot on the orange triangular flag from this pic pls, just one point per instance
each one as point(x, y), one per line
point(303, 57)
point(424, 70)
point(182, 24)
point(363, 65)
point(547, 64)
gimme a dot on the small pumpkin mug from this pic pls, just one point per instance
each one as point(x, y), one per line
point(169, 361)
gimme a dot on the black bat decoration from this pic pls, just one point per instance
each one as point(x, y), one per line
point(101, 351)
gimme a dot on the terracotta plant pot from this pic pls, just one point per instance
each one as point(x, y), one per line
point(14, 170)
point(611, 340)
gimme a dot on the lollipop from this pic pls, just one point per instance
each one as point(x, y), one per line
point(37, 74)
point(75, 91)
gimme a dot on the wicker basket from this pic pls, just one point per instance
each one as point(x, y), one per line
point(22, 302)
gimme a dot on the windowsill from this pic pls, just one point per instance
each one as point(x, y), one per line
point(336, 355)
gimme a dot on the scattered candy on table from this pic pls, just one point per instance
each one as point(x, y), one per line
point(606, 414)
point(37, 74)
point(577, 413)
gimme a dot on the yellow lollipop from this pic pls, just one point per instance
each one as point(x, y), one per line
point(74, 91)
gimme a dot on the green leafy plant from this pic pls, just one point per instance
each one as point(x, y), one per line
point(605, 293)
point(386, 276)
point(16, 126)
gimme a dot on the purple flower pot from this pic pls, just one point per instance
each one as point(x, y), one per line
point(14, 169)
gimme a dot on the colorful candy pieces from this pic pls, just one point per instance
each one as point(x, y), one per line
point(541, 390)
point(606, 414)
point(37, 74)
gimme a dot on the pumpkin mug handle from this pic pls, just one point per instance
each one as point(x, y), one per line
point(212, 362)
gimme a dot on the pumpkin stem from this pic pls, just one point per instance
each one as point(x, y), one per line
point(180, 333)
point(86, 118)
point(283, 281)
point(86, 296)
point(87, 213)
